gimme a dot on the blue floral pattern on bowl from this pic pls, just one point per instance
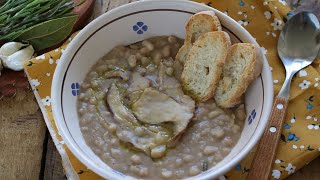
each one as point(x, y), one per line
point(140, 28)
point(75, 87)
point(252, 116)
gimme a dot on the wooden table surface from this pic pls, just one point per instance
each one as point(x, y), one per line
point(27, 151)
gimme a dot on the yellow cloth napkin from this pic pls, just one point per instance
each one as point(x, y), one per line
point(300, 140)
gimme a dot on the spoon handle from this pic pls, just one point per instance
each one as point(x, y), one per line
point(264, 156)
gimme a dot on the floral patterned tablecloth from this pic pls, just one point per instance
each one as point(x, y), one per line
point(264, 19)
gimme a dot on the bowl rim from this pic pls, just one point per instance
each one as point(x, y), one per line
point(57, 77)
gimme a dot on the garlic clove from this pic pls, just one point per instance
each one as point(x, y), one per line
point(10, 48)
point(16, 60)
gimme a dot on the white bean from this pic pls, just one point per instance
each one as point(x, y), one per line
point(166, 51)
point(82, 96)
point(168, 62)
point(221, 122)
point(217, 132)
point(166, 174)
point(85, 85)
point(148, 45)
point(172, 39)
point(214, 114)
point(240, 113)
point(169, 71)
point(194, 170)
point(144, 51)
point(132, 61)
point(145, 61)
point(138, 56)
point(81, 111)
point(134, 169)
point(143, 171)
point(157, 56)
point(84, 128)
point(209, 150)
point(180, 173)
point(116, 153)
point(98, 142)
point(84, 121)
point(226, 151)
point(187, 158)
point(235, 129)
point(135, 159)
point(218, 156)
point(158, 151)
point(93, 100)
point(179, 162)
point(227, 141)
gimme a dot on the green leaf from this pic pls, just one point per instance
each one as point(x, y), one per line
point(48, 33)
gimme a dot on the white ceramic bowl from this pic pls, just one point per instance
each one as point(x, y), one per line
point(131, 23)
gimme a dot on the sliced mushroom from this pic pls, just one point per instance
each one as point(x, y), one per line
point(127, 124)
point(138, 82)
point(154, 107)
point(117, 73)
point(122, 115)
point(134, 96)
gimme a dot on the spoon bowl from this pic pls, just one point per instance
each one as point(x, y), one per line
point(298, 44)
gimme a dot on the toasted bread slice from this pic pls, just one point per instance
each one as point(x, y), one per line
point(198, 24)
point(203, 67)
point(243, 65)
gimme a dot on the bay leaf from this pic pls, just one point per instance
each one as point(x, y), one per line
point(48, 33)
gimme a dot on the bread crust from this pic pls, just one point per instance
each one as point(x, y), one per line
point(219, 63)
point(252, 71)
point(206, 17)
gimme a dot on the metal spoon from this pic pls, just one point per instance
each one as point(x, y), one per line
point(298, 46)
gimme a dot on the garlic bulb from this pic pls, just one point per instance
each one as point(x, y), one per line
point(11, 47)
point(15, 61)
